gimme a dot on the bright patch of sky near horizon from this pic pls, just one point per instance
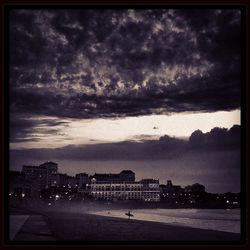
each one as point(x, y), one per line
point(93, 131)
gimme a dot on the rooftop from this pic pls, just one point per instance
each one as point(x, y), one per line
point(127, 171)
point(49, 162)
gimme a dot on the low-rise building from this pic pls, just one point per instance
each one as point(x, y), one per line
point(72, 181)
point(19, 186)
point(170, 190)
point(195, 188)
point(60, 180)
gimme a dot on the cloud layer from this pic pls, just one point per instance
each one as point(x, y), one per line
point(116, 63)
point(218, 139)
point(214, 162)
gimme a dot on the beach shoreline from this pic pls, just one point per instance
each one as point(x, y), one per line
point(193, 218)
point(81, 226)
point(101, 228)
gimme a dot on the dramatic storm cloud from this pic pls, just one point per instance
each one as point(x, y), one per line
point(117, 63)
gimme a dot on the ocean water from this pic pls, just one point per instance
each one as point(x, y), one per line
point(227, 220)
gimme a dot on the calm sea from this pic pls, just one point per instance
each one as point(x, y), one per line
point(227, 220)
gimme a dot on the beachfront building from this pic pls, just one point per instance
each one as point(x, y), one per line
point(150, 190)
point(82, 180)
point(170, 190)
point(64, 180)
point(42, 174)
point(60, 180)
point(144, 190)
point(72, 182)
point(21, 187)
point(195, 188)
point(51, 169)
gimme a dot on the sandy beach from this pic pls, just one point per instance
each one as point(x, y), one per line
point(86, 227)
point(74, 223)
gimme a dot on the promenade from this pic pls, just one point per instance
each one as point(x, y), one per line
point(25, 226)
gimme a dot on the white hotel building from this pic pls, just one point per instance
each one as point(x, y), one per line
point(144, 190)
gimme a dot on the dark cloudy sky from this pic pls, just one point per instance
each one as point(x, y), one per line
point(92, 82)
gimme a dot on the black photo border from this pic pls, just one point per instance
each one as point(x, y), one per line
point(8, 5)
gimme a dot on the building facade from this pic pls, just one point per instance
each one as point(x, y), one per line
point(51, 168)
point(144, 190)
point(82, 180)
point(195, 188)
point(42, 174)
point(60, 180)
point(170, 190)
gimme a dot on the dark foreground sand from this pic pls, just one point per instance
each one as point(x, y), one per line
point(86, 227)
